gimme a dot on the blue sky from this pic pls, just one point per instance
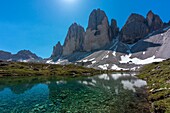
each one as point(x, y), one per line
point(37, 25)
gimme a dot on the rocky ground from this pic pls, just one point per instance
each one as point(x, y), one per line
point(157, 76)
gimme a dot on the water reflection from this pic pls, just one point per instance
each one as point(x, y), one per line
point(115, 93)
point(131, 85)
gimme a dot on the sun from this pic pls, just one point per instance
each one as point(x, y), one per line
point(69, 1)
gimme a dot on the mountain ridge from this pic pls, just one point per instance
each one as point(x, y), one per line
point(138, 36)
point(103, 45)
point(21, 56)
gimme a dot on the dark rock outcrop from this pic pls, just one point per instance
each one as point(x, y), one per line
point(5, 55)
point(57, 50)
point(114, 30)
point(97, 34)
point(135, 29)
point(74, 39)
point(154, 21)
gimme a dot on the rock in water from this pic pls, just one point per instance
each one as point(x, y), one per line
point(97, 34)
point(74, 39)
point(154, 21)
point(135, 29)
point(57, 51)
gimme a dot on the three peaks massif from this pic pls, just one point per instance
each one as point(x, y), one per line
point(103, 45)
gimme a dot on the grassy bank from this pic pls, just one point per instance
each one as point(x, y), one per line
point(157, 76)
point(37, 69)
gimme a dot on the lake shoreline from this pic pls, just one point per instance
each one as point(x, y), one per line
point(41, 69)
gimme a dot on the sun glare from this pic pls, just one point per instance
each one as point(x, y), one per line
point(69, 1)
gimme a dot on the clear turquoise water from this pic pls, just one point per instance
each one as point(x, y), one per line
point(114, 93)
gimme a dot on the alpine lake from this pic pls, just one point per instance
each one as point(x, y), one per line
point(105, 93)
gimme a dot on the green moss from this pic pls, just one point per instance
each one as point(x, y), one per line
point(35, 69)
point(157, 76)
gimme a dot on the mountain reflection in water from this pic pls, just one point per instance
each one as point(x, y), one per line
point(106, 93)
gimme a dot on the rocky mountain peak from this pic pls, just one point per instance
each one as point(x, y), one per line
point(57, 50)
point(97, 34)
point(20, 56)
point(74, 29)
point(135, 29)
point(74, 39)
point(114, 30)
point(154, 21)
point(135, 18)
point(96, 18)
point(25, 54)
point(5, 55)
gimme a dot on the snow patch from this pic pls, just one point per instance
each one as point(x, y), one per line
point(114, 53)
point(93, 62)
point(104, 67)
point(106, 56)
point(49, 62)
point(21, 60)
point(115, 67)
point(92, 59)
point(85, 60)
point(127, 59)
point(61, 61)
point(9, 60)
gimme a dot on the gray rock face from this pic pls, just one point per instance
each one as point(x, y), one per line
point(57, 50)
point(164, 49)
point(155, 45)
point(97, 34)
point(135, 29)
point(114, 30)
point(5, 55)
point(74, 39)
point(154, 21)
point(96, 18)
